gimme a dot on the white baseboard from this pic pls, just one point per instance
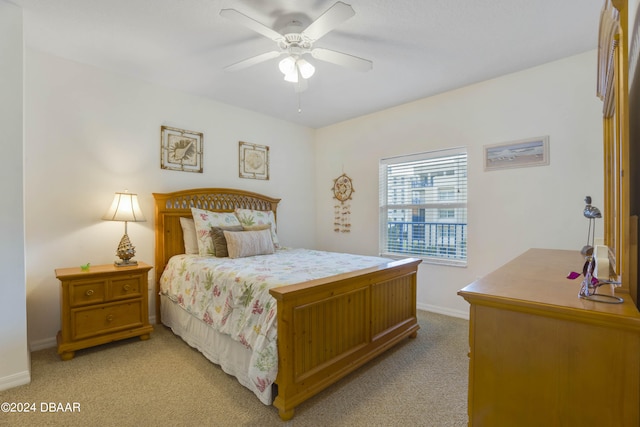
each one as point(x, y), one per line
point(14, 380)
point(444, 310)
point(42, 344)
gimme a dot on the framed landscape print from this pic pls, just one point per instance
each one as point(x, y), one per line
point(254, 161)
point(180, 150)
point(517, 154)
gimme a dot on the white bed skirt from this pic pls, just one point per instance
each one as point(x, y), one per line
point(230, 355)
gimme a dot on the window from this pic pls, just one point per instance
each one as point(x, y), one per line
point(423, 206)
point(446, 213)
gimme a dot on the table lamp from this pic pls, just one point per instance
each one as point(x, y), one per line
point(125, 208)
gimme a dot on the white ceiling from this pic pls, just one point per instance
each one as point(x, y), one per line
point(418, 47)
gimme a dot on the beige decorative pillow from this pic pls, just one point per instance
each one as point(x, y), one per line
point(189, 236)
point(220, 242)
point(204, 220)
point(251, 217)
point(248, 243)
point(257, 227)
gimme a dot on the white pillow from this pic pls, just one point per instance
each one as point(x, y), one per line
point(248, 243)
point(203, 221)
point(189, 236)
point(250, 217)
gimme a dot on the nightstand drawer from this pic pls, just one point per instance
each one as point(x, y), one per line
point(127, 287)
point(86, 292)
point(87, 322)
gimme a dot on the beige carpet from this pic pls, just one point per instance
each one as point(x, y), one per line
point(164, 382)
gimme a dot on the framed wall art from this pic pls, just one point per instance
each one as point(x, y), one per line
point(517, 154)
point(180, 150)
point(254, 161)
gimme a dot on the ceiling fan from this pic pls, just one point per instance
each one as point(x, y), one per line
point(296, 41)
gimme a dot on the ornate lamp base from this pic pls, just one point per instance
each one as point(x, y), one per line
point(125, 263)
point(125, 252)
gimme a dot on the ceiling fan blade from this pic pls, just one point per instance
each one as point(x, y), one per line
point(245, 63)
point(251, 23)
point(343, 59)
point(330, 19)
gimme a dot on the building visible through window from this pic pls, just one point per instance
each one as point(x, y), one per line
point(423, 206)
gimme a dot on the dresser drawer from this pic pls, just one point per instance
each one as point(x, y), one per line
point(127, 287)
point(86, 292)
point(90, 321)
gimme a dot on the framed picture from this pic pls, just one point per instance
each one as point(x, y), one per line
point(180, 150)
point(517, 154)
point(254, 161)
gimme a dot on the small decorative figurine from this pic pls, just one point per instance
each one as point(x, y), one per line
point(591, 213)
point(590, 283)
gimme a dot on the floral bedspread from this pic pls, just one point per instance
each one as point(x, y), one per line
point(232, 295)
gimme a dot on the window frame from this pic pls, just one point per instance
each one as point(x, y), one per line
point(456, 255)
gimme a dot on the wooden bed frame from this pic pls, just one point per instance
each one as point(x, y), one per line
point(328, 327)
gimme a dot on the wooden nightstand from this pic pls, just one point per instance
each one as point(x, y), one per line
point(103, 304)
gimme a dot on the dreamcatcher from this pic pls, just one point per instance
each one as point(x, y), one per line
point(342, 191)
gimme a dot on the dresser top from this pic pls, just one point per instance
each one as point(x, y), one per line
point(537, 280)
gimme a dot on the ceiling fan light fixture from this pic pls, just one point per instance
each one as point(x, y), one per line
point(287, 65)
point(294, 41)
point(306, 69)
point(292, 76)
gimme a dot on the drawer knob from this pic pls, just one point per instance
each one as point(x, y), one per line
point(126, 288)
point(89, 292)
point(110, 318)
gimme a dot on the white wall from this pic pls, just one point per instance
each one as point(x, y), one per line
point(90, 133)
point(14, 355)
point(509, 211)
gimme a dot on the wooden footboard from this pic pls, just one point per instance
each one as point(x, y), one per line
point(329, 327)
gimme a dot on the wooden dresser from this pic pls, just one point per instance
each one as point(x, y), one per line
point(103, 304)
point(541, 356)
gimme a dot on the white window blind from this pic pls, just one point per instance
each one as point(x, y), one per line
point(423, 206)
